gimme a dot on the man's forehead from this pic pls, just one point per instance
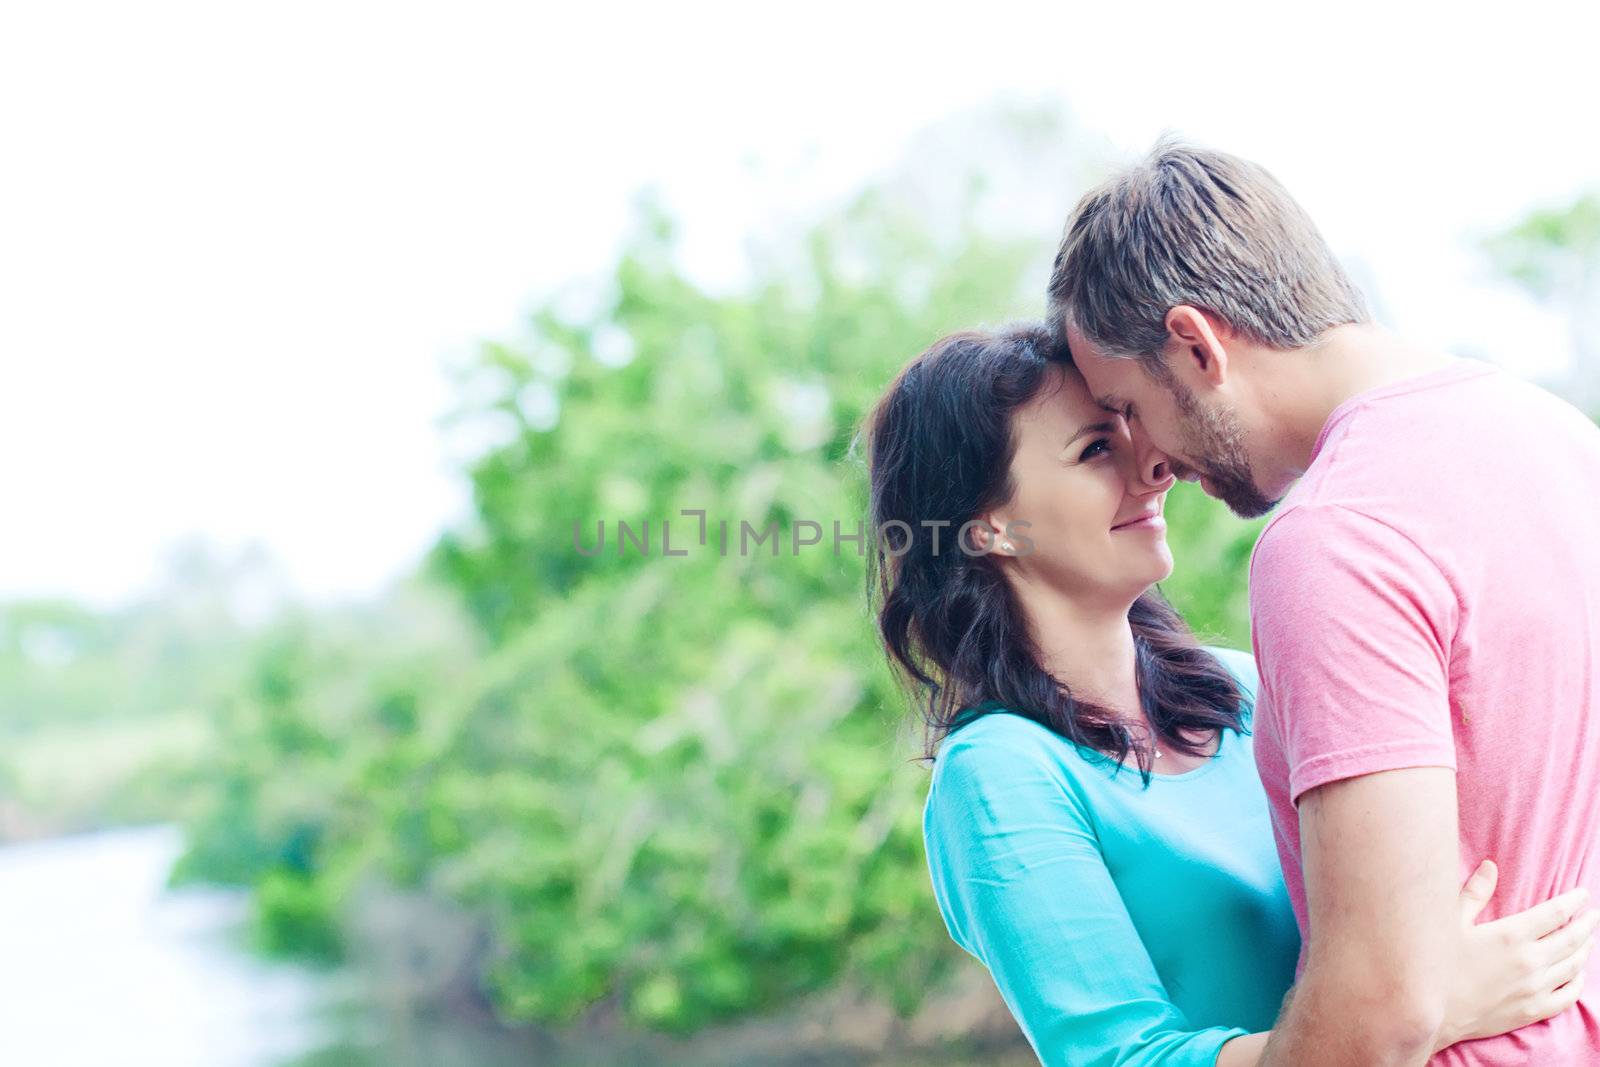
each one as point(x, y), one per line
point(1103, 374)
point(1112, 402)
point(1107, 382)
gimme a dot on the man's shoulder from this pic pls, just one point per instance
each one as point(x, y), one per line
point(1322, 525)
point(1316, 553)
point(1409, 468)
point(1387, 443)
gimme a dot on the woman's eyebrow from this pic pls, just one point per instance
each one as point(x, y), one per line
point(1099, 427)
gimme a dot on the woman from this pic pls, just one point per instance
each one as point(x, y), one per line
point(1095, 828)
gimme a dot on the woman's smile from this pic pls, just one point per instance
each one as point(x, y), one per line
point(1148, 519)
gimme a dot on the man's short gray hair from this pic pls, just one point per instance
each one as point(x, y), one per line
point(1193, 226)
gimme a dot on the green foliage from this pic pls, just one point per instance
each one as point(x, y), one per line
point(294, 914)
point(1554, 253)
point(679, 787)
point(102, 713)
point(1211, 550)
point(311, 752)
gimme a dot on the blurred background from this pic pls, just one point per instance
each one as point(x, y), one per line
point(322, 329)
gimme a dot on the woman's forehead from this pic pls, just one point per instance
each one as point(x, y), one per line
point(1064, 401)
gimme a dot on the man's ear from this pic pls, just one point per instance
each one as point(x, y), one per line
point(1200, 343)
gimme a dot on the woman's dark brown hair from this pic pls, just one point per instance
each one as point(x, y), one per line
point(939, 448)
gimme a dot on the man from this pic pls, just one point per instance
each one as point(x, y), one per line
point(1425, 605)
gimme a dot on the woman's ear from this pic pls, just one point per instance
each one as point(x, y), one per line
point(987, 535)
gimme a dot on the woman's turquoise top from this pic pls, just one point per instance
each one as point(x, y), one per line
point(1123, 925)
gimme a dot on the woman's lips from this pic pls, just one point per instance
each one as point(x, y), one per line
point(1143, 522)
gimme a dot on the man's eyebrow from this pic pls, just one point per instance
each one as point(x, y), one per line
point(1113, 402)
point(1099, 427)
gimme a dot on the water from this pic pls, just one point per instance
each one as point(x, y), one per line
point(101, 964)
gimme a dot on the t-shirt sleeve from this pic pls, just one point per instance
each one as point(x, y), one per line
point(1022, 885)
point(1352, 625)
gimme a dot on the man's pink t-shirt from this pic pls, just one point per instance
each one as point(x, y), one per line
point(1429, 596)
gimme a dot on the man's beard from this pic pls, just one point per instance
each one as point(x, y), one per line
point(1216, 439)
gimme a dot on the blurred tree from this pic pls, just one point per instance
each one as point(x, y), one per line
point(103, 713)
point(676, 786)
point(1554, 254)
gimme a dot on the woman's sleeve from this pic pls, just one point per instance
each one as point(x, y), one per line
point(1022, 885)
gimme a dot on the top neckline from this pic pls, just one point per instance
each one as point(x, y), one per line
point(1188, 775)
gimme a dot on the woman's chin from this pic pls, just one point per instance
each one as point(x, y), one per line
point(1160, 566)
point(1141, 580)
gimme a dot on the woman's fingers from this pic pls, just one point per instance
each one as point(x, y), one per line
point(1568, 967)
point(1542, 919)
point(1568, 940)
point(1560, 999)
point(1478, 889)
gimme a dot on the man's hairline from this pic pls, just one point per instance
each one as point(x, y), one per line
point(1163, 377)
point(1070, 320)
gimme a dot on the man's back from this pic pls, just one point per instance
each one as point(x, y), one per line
point(1459, 509)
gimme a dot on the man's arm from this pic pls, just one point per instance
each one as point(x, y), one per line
point(1353, 625)
point(1380, 855)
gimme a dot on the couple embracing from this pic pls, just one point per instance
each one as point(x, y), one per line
point(1370, 840)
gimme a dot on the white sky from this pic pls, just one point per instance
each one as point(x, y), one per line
point(237, 242)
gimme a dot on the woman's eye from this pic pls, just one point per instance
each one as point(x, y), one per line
point(1095, 448)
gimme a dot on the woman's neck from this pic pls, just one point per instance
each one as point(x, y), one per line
point(1087, 647)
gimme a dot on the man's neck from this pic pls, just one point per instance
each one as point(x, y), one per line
point(1306, 388)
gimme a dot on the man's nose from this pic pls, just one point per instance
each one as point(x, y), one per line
point(1156, 469)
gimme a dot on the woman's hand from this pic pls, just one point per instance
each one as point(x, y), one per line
point(1519, 969)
